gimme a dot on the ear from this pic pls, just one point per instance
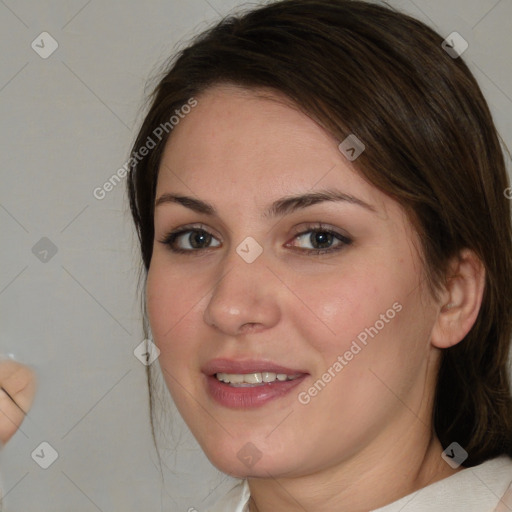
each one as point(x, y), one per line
point(460, 302)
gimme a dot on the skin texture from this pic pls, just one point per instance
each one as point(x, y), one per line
point(364, 440)
point(18, 385)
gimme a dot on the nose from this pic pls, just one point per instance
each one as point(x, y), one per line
point(246, 297)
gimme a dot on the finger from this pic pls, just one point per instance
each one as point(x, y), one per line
point(14, 401)
point(18, 382)
point(11, 417)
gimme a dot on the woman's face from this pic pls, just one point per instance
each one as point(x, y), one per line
point(255, 293)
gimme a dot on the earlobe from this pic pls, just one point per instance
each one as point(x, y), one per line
point(458, 311)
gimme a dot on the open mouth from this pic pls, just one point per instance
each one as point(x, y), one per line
point(249, 383)
point(241, 380)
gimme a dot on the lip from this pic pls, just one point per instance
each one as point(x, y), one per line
point(248, 397)
point(246, 366)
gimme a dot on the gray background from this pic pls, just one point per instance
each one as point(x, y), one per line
point(67, 125)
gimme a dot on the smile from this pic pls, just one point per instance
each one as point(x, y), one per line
point(253, 379)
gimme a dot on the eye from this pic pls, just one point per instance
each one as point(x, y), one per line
point(322, 239)
point(196, 238)
point(193, 239)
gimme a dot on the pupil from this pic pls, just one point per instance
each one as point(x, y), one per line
point(196, 238)
point(322, 238)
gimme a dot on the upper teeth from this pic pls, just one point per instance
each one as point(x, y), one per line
point(253, 378)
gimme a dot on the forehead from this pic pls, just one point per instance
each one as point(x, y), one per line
point(250, 145)
point(229, 119)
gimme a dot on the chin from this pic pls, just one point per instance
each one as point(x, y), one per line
point(249, 461)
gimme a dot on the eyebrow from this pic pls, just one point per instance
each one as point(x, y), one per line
point(278, 208)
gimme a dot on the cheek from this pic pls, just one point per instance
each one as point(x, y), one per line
point(364, 316)
point(375, 353)
point(170, 307)
point(336, 307)
point(170, 302)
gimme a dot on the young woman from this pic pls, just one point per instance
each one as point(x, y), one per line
point(321, 201)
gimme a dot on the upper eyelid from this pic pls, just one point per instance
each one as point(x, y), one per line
point(309, 226)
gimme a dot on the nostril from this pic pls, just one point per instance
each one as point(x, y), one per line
point(250, 327)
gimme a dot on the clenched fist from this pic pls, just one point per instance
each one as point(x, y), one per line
point(17, 390)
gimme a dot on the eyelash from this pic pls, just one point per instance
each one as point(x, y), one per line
point(171, 237)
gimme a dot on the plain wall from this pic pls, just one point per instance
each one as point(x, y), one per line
point(67, 123)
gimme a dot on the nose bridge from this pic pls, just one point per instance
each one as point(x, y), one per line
point(245, 261)
point(243, 293)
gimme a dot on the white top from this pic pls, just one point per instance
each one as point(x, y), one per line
point(483, 488)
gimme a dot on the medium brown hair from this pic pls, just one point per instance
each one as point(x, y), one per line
point(431, 145)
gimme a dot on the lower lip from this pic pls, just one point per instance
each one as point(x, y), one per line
point(249, 397)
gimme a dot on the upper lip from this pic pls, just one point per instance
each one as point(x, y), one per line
point(246, 366)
